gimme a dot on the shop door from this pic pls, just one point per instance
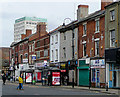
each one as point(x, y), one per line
point(84, 77)
point(114, 79)
point(97, 78)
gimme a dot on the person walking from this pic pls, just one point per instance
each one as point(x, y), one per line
point(4, 78)
point(20, 86)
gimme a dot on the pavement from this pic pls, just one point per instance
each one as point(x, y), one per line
point(101, 90)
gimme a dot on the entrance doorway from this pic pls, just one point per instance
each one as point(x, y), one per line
point(97, 78)
point(114, 79)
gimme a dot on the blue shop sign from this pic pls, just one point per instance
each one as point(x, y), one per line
point(33, 57)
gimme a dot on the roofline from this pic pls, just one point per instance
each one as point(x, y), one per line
point(112, 4)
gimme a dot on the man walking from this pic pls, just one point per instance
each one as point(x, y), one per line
point(20, 82)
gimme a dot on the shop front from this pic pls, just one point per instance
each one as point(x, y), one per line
point(97, 72)
point(64, 73)
point(112, 59)
point(83, 73)
point(114, 75)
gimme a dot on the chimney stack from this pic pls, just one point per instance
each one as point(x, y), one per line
point(41, 28)
point(82, 11)
point(105, 3)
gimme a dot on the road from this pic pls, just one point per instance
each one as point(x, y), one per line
point(10, 89)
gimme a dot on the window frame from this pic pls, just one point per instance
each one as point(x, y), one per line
point(111, 44)
point(112, 16)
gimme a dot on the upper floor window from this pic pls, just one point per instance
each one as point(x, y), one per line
point(29, 48)
point(38, 44)
point(52, 55)
point(45, 52)
point(97, 26)
point(56, 38)
point(52, 39)
point(33, 47)
point(84, 49)
point(38, 54)
point(26, 55)
point(64, 36)
point(64, 51)
point(56, 54)
point(84, 29)
point(112, 15)
point(112, 38)
point(97, 48)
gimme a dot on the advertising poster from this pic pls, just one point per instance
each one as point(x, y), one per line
point(28, 77)
point(55, 78)
point(38, 76)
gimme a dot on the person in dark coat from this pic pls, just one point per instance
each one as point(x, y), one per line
point(4, 78)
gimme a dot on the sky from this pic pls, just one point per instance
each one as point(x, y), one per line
point(54, 11)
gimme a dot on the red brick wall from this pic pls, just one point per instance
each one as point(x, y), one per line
point(90, 33)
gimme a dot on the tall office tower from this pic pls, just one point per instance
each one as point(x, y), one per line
point(24, 23)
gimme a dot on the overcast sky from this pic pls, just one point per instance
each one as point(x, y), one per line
point(54, 11)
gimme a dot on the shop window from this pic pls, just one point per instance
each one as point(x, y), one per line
point(93, 75)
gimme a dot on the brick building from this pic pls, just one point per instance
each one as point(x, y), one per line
point(91, 44)
point(31, 51)
point(4, 59)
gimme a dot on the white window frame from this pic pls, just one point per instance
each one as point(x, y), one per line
point(29, 48)
point(56, 54)
point(52, 40)
point(97, 50)
point(52, 55)
point(33, 47)
point(97, 25)
point(45, 52)
point(84, 49)
point(56, 38)
point(38, 54)
point(111, 39)
point(84, 29)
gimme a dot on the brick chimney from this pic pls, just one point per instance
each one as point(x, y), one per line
point(28, 32)
point(82, 11)
point(105, 3)
point(41, 28)
point(23, 36)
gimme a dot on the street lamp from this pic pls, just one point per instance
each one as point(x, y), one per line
point(73, 63)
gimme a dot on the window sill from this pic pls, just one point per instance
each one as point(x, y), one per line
point(84, 35)
point(97, 32)
point(56, 42)
point(112, 20)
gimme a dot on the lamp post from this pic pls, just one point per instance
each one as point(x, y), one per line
point(73, 60)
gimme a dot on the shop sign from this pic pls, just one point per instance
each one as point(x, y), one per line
point(28, 77)
point(99, 63)
point(33, 57)
point(11, 68)
point(63, 70)
point(63, 66)
point(25, 60)
point(39, 65)
point(55, 78)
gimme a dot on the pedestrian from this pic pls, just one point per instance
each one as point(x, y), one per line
point(34, 80)
point(20, 86)
point(4, 78)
